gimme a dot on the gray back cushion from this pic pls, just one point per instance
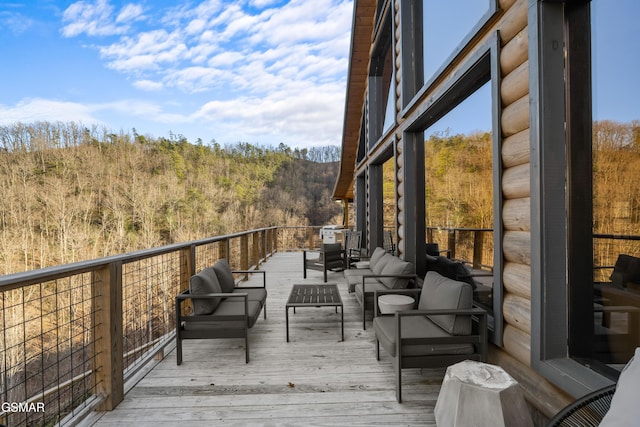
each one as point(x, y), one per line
point(376, 255)
point(397, 267)
point(439, 292)
point(382, 262)
point(225, 276)
point(205, 282)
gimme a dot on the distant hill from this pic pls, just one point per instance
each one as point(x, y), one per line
point(72, 193)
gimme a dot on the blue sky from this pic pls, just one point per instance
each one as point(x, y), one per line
point(258, 71)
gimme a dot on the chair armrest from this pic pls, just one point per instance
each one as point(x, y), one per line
point(185, 295)
point(264, 277)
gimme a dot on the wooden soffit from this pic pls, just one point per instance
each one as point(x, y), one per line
point(362, 29)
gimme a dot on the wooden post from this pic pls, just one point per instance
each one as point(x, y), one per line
point(244, 254)
point(223, 249)
point(255, 249)
point(274, 235)
point(263, 240)
point(187, 266)
point(310, 237)
point(451, 244)
point(108, 335)
point(478, 242)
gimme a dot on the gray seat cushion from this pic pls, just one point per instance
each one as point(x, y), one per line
point(371, 285)
point(415, 327)
point(205, 282)
point(397, 267)
point(354, 276)
point(439, 292)
point(225, 276)
point(254, 294)
point(227, 307)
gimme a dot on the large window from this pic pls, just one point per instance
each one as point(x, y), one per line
point(459, 188)
point(445, 28)
point(615, 145)
point(585, 198)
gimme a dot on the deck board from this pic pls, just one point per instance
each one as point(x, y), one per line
point(315, 379)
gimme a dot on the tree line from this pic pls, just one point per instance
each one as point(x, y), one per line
point(72, 193)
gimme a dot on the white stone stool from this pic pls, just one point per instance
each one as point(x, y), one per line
point(478, 394)
point(390, 303)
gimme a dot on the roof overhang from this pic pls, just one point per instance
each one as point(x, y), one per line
point(361, 33)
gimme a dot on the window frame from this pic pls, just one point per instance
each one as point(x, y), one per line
point(481, 67)
point(559, 116)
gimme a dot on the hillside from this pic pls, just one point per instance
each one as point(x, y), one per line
point(71, 193)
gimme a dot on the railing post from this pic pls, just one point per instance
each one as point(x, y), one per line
point(310, 237)
point(108, 339)
point(244, 254)
point(429, 234)
point(223, 249)
point(451, 244)
point(478, 242)
point(255, 241)
point(274, 243)
point(263, 241)
point(187, 266)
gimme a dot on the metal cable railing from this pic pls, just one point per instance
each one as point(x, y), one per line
point(72, 335)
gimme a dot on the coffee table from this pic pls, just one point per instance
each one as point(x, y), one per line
point(315, 295)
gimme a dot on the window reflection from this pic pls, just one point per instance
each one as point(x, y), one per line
point(616, 182)
point(459, 196)
point(444, 28)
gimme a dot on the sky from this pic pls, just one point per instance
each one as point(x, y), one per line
point(259, 71)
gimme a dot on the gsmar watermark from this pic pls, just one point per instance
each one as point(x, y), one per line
point(8, 407)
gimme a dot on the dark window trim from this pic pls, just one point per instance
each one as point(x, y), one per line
point(549, 203)
point(483, 66)
point(414, 73)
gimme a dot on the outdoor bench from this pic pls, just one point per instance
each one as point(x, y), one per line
point(219, 308)
point(385, 272)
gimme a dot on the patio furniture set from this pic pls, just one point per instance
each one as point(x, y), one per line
point(433, 329)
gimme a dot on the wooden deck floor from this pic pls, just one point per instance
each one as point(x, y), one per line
point(315, 379)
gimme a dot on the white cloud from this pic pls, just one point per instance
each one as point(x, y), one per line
point(97, 18)
point(148, 85)
point(15, 22)
point(37, 109)
point(283, 67)
point(131, 12)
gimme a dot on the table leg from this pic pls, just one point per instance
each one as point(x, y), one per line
point(342, 319)
point(287, 319)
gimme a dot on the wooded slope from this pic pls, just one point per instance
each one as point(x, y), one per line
point(72, 193)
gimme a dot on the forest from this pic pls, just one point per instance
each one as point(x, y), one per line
point(72, 193)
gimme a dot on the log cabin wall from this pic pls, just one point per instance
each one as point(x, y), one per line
point(511, 23)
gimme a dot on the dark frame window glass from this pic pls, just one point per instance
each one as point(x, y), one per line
point(440, 18)
point(612, 304)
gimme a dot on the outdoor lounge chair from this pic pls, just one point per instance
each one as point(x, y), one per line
point(331, 257)
point(439, 333)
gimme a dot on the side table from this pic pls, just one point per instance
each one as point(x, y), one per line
point(390, 303)
point(479, 394)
